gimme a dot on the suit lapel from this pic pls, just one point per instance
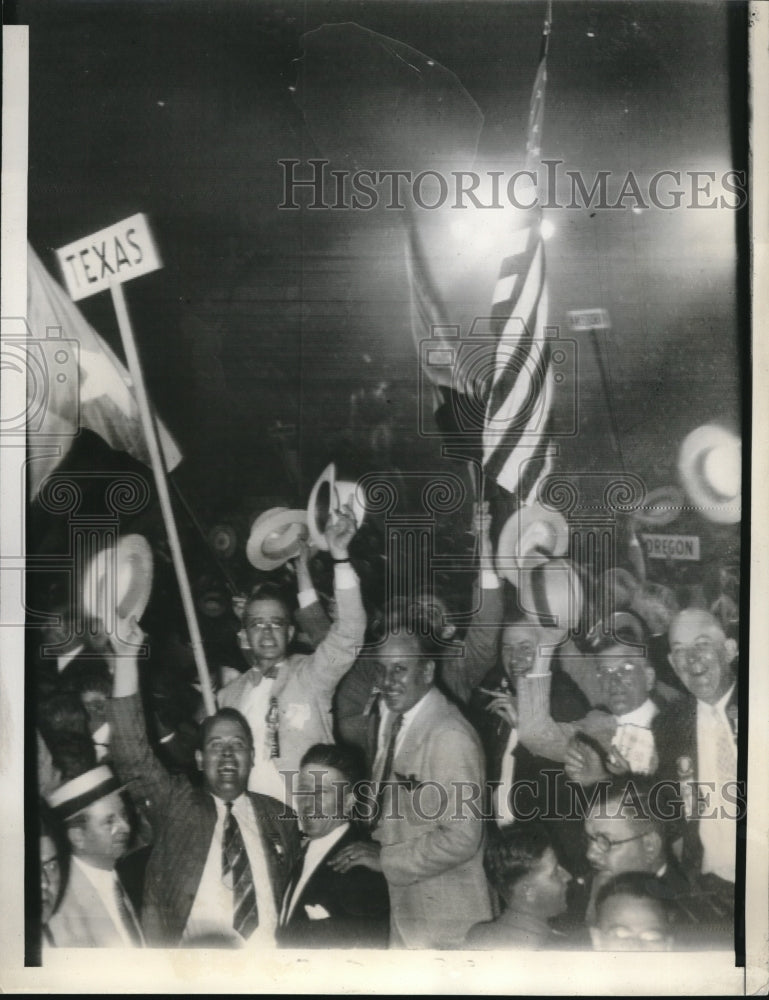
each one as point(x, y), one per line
point(274, 850)
point(430, 709)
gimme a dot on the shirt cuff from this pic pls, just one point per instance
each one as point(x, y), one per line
point(307, 597)
point(345, 577)
point(489, 580)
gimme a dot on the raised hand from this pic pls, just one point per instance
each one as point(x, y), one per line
point(340, 531)
point(127, 637)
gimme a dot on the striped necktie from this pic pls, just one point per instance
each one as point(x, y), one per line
point(236, 871)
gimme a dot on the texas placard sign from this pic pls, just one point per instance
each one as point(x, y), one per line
point(116, 254)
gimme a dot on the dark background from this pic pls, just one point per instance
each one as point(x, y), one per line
point(260, 315)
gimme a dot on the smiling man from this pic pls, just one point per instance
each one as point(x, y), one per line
point(428, 773)
point(698, 743)
point(286, 698)
point(221, 855)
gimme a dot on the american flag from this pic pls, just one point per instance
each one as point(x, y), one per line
point(517, 450)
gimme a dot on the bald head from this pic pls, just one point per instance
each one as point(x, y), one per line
point(701, 655)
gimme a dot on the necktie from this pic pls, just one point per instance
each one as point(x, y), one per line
point(293, 882)
point(388, 765)
point(726, 750)
point(126, 913)
point(236, 871)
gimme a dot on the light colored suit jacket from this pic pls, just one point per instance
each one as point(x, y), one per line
point(431, 833)
point(82, 920)
point(305, 684)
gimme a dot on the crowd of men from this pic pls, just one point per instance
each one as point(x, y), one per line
point(399, 786)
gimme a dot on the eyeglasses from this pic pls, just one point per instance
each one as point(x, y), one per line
point(603, 843)
point(703, 651)
point(622, 671)
point(264, 626)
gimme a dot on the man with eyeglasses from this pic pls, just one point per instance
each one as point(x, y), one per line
point(221, 855)
point(698, 745)
point(629, 828)
point(614, 739)
point(287, 699)
point(624, 832)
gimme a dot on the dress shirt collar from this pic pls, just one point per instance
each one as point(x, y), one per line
point(408, 716)
point(641, 716)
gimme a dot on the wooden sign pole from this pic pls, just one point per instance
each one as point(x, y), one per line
point(158, 468)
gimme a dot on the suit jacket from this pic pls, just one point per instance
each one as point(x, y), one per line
point(356, 901)
point(675, 734)
point(305, 683)
point(567, 703)
point(183, 818)
point(431, 830)
point(461, 670)
point(81, 919)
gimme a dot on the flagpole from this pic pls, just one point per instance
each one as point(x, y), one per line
point(161, 483)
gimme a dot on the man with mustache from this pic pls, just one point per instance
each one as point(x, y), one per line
point(95, 911)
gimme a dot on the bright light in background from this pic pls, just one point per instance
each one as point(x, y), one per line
point(483, 234)
point(547, 229)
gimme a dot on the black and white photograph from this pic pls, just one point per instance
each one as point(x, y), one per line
point(379, 561)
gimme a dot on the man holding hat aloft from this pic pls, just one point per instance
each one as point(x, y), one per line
point(221, 855)
point(286, 699)
point(95, 911)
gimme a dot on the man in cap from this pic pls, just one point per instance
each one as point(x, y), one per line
point(287, 699)
point(428, 774)
point(698, 744)
point(221, 855)
point(94, 910)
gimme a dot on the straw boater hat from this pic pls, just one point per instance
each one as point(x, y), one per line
point(129, 566)
point(328, 495)
point(530, 537)
point(275, 537)
point(709, 467)
point(552, 590)
point(74, 796)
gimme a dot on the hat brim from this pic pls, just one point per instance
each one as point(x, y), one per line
point(712, 506)
point(316, 529)
point(131, 562)
point(78, 794)
point(275, 538)
point(661, 506)
point(530, 537)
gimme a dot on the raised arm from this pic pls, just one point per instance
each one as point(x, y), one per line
point(337, 652)
point(462, 674)
point(149, 784)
